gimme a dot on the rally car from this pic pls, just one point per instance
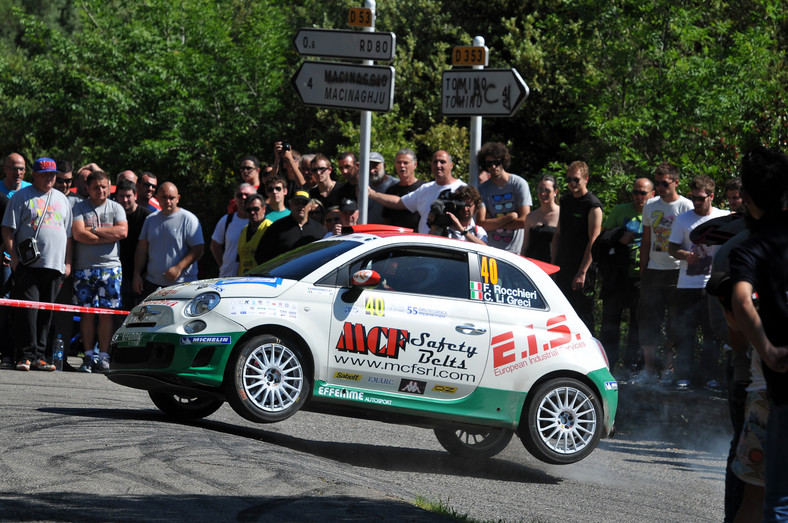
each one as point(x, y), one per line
point(473, 342)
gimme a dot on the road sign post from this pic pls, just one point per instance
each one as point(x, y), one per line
point(345, 86)
point(483, 92)
point(355, 45)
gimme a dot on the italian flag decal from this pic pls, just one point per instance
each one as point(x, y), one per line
point(476, 290)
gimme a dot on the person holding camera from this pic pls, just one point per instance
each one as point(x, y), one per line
point(421, 199)
point(37, 236)
point(451, 215)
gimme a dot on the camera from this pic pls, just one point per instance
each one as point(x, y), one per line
point(443, 205)
point(285, 146)
point(28, 251)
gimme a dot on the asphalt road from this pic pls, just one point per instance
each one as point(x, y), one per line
point(77, 447)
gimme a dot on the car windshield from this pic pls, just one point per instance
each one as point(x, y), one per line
point(295, 264)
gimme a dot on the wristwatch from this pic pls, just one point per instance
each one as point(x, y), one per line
point(466, 232)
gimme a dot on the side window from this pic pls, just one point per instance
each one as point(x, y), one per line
point(505, 284)
point(417, 271)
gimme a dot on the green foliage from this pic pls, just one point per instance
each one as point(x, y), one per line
point(185, 87)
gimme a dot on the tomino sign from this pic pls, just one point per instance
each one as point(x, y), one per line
point(356, 45)
point(345, 86)
point(482, 92)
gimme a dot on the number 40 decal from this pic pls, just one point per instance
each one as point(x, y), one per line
point(375, 307)
point(489, 270)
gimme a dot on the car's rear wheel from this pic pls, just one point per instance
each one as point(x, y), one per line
point(564, 421)
point(184, 407)
point(267, 379)
point(473, 442)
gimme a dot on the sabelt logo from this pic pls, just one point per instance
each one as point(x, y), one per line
point(347, 376)
point(444, 388)
point(412, 386)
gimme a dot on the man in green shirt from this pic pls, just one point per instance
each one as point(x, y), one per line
point(618, 256)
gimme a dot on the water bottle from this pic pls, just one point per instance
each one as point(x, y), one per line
point(57, 356)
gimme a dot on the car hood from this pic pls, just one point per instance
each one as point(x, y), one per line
point(238, 287)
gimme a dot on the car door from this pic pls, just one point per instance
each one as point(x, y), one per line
point(418, 333)
point(528, 337)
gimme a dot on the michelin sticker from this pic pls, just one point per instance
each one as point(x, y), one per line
point(204, 340)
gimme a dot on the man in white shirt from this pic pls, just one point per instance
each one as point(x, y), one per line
point(659, 272)
point(421, 199)
point(690, 305)
point(224, 241)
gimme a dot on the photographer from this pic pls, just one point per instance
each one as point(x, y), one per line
point(451, 215)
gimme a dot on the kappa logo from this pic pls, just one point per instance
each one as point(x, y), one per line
point(412, 386)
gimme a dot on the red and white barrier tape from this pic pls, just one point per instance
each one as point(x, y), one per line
point(59, 307)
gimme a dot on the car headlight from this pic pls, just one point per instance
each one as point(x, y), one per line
point(202, 304)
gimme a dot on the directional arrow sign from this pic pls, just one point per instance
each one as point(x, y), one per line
point(482, 92)
point(345, 86)
point(355, 45)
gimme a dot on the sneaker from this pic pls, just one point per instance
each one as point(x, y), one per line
point(87, 365)
point(7, 363)
point(667, 378)
point(23, 365)
point(101, 366)
point(683, 385)
point(41, 364)
point(643, 377)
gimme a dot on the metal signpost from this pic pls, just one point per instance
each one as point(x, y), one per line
point(485, 92)
point(479, 92)
point(356, 45)
point(363, 87)
point(346, 86)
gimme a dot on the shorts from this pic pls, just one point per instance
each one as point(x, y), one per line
point(749, 464)
point(98, 287)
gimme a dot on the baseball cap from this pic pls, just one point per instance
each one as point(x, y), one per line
point(348, 205)
point(45, 165)
point(301, 195)
point(376, 157)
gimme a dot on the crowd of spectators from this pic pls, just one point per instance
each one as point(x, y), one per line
point(124, 245)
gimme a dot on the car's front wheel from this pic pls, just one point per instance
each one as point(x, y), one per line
point(267, 379)
point(564, 421)
point(473, 442)
point(184, 407)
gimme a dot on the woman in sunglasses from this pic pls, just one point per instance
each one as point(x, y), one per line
point(540, 224)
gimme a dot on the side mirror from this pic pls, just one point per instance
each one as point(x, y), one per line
point(361, 280)
point(366, 278)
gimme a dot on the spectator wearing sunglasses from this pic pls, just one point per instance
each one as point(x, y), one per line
point(276, 188)
point(579, 223)
point(254, 208)
point(506, 199)
point(659, 271)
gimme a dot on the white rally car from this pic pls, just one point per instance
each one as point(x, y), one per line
point(471, 341)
